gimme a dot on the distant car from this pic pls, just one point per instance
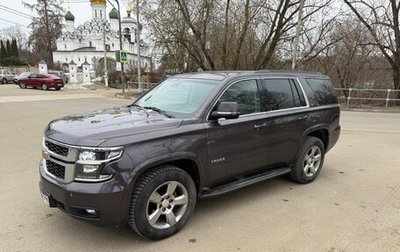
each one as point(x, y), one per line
point(20, 76)
point(41, 80)
point(6, 76)
point(60, 74)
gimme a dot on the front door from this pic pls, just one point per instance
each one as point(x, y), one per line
point(235, 146)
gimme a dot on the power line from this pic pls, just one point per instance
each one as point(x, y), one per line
point(11, 22)
point(16, 12)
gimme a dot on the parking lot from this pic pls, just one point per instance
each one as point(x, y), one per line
point(354, 205)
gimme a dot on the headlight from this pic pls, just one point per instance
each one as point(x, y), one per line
point(90, 163)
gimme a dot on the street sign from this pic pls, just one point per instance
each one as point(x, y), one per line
point(123, 56)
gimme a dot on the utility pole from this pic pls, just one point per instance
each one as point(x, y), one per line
point(105, 55)
point(120, 43)
point(296, 39)
point(138, 47)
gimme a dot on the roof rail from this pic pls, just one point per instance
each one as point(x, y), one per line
point(286, 71)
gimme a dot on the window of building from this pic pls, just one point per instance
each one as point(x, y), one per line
point(66, 59)
point(79, 59)
point(65, 46)
point(90, 43)
point(95, 13)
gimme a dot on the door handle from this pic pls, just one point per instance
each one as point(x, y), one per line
point(257, 126)
point(301, 117)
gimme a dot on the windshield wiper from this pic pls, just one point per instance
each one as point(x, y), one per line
point(163, 112)
point(134, 105)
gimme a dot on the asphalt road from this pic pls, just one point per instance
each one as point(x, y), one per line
point(354, 205)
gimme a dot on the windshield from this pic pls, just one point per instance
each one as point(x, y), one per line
point(179, 98)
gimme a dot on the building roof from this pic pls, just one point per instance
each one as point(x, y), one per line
point(98, 2)
point(69, 17)
point(113, 14)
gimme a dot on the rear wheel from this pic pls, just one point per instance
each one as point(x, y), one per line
point(21, 84)
point(44, 87)
point(309, 161)
point(162, 202)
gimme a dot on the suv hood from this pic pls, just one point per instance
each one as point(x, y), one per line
point(94, 128)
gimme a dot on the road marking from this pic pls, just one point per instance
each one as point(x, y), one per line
point(27, 98)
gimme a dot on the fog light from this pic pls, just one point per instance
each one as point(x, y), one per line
point(91, 211)
point(90, 168)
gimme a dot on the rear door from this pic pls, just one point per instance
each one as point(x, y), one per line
point(236, 146)
point(284, 101)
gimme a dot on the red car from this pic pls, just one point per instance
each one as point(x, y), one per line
point(41, 80)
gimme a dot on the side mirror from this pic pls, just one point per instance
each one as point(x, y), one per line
point(227, 110)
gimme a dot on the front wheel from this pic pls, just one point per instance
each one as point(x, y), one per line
point(162, 202)
point(309, 161)
point(58, 88)
point(21, 85)
point(4, 81)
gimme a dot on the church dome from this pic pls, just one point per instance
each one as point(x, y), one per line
point(113, 14)
point(98, 2)
point(69, 17)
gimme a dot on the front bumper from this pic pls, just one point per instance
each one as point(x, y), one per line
point(101, 203)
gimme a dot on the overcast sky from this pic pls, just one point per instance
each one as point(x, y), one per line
point(80, 9)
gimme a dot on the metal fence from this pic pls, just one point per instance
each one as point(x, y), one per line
point(357, 96)
point(135, 85)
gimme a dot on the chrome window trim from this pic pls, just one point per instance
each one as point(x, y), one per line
point(265, 112)
point(304, 93)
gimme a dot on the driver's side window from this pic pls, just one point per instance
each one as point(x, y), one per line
point(245, 93)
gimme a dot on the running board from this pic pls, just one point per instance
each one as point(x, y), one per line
point(237, 184)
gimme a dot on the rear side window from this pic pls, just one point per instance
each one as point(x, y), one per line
point(279, 94)
point(323, 91)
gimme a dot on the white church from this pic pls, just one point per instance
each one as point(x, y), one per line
point(86, 43)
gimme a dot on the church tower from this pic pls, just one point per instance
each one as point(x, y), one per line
point(98, 9)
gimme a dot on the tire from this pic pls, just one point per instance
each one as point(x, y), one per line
point(4, 81)
point(309, 161)
point(21, 85)
point(154, 212)
point(44, 87)
point(58, 88)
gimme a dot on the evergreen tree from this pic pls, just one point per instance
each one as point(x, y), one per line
point(14, 48)
point(3, 52)
point(8, 48)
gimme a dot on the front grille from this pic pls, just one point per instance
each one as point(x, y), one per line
point(60, 150)
point(55, 169)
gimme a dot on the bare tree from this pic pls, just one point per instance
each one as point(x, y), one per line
point(381, 18)
point(45, 27)
point(232, 34)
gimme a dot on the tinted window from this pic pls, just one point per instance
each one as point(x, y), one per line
point(278, 94)
point(245, 93)
point(323, 91)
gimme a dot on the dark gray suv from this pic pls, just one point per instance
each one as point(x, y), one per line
point(192, 136)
